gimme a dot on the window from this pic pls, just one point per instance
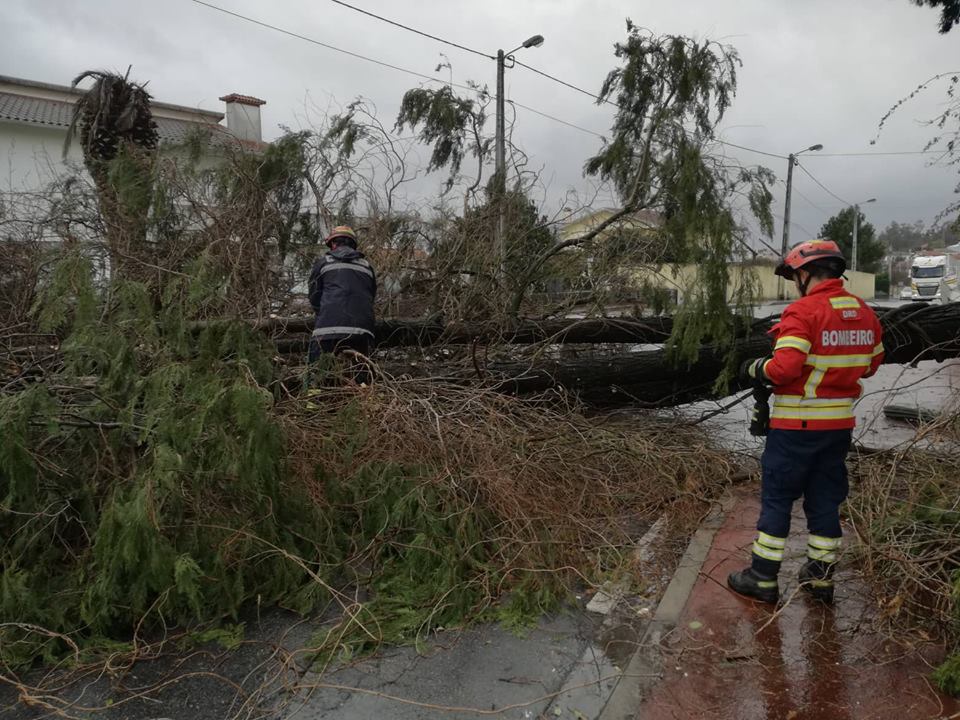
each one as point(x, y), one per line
point(929, 272)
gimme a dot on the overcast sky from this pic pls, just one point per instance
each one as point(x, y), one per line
point(814, 71)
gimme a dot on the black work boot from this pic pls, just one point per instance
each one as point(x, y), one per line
point(752, 584)
point(816, 579)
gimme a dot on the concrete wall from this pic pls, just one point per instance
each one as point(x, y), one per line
point(31, 156)
point(682, 277)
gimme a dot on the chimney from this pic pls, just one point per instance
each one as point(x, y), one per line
point(243, 116)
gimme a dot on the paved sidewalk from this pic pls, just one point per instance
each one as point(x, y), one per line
point(730, 657)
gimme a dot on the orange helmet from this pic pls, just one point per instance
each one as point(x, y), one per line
point(809, 252)
point(342, 231)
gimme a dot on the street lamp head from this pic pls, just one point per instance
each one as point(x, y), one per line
point(535, 41)
point(818, 146)
point(869, 201)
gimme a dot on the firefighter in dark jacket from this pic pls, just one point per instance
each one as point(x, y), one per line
point(825, 342)
point(343, 287)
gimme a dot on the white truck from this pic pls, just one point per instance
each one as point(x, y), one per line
point(933, 278)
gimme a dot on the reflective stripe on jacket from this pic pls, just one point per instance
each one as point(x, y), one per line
point(343, 287)
point(824, 344)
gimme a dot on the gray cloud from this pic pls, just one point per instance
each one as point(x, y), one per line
point(814, 71)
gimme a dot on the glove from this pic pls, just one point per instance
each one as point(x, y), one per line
point(760, 418)
point(751, 371)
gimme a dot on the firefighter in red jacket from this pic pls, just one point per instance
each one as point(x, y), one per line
point(825, 342)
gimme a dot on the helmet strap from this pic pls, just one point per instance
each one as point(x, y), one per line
point(803, 284)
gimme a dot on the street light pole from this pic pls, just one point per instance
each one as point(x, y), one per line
point(500, 186)
point(791, 161)
point(856, 232)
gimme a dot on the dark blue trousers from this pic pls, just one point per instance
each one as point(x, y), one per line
point(808, 464)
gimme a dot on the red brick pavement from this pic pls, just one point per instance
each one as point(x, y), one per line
point(731, 658)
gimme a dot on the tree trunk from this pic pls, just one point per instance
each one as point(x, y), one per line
point(911, 333)
point(293, 333)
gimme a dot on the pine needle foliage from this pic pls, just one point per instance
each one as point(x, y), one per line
point(150, 489)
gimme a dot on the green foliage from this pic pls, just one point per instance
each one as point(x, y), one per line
point(445, 121)
point(228, 636)
point(671, 92)
point(154, 494)
point(663, 83)
point(870, 251)
point(428, 553)
point(947, 676)
point(949, 12)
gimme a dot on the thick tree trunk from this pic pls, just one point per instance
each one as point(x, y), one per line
point(292, 334)
point(912, 333)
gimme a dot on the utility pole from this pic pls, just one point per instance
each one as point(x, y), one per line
point(890, 267)
point(786, 222)
point(791, 161)
point(500, 186)
point(856, 232)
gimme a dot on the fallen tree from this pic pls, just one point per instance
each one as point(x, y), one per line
point(911, 333)
point(292, 334)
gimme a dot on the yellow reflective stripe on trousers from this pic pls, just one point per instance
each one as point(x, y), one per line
point(767, 553)
point(771, 541)
point(822, 555)
point(825, 362)
point(792, 341)
point(823, 543)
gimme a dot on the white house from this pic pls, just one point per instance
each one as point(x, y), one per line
point(34, 117)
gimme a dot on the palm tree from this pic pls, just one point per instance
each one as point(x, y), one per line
point(119, 138)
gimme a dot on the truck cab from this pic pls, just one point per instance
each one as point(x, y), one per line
point(933, 278)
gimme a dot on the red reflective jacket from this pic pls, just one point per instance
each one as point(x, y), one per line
point(825, 343)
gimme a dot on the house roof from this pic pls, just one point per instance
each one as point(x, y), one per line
point(47, 105)
point(34, 85)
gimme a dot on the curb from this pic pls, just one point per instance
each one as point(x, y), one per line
point(644, 668)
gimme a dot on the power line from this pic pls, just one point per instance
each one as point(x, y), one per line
point(809, 202)
point(381, 63)
point(749, 149)
point(548, 76)
point(875, 154)
point(793, 223)
point(589, 94)
point(325, 45)
point(556, 119)
point(414, 30)
point(824, 187)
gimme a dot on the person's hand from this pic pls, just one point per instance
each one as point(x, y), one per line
point(752, 370)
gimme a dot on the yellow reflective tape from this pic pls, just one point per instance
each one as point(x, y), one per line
point(838, 413)
point(766, 583)
point(771, 541)
point(813, 382)
point(823, 555)
point(792, 341)
point(839, 361)
point(823, 543)
point(800, 401)
point(878, 349)
point(767, 553)
point(844, 303)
